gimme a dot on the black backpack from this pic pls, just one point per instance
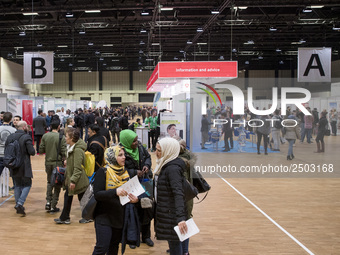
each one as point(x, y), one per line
point(58, 176)
point(13, 156)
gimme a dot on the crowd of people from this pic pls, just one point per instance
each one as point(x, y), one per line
point(273, 133)
point(110, 136)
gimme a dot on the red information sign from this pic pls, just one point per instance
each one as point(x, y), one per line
point(209, 69)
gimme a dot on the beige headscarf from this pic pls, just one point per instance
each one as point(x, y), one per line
point(170, 150)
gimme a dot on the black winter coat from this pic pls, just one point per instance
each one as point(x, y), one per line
point(132, 165)
point(170, 207)
point(27, 149)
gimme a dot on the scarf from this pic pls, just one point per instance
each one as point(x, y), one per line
point(170, 150)
point(69, 149)
point(116, 175)
point(126, 139)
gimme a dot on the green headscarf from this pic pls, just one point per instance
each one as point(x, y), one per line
point(126, 139)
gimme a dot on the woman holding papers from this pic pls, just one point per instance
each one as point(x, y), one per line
point(109, 213)
point(138, 162)
point(169, 196)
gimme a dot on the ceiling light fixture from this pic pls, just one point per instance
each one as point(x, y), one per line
point(234, 50)
point(90, 44)
point(39, 45)
point(202, 43)
point(69, 15)
point(167, 8)
point(107, 45)
point(307, 9)
point(22, 33)
point(141, 52)
point(142, 43)
point(155, 44)
point(272, 29)
point(82, 32)
point(141, 70)
point(281, 62)
point(92, 11)
point(199, 30)
point(30, 13)
point(215, 11)
point(143, 30)
point(336, 27)
point(316, 6)
point(145, 13)
point(62, 46)
point(246, 62)
point(242, 7)
point(278, 50)
point(189, 42)
point(149, 59)
point(260, 57)
point(302, 41)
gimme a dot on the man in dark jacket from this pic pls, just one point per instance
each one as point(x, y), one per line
point(89, 120)
point(204, 130)
point(124, 123)
point(102, 130)
point(39, 128)
point(23, 175)
point(79, 119)
point(96, 144)
point(114, 127)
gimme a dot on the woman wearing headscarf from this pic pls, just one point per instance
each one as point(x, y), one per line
point(138, 162)
point(76, 181)
point(109, 213)
point(170, 202)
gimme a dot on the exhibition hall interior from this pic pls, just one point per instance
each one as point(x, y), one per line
point(249, 89)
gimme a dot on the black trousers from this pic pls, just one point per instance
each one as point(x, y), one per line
point(65, 214)
point(153, 135)
point(320, 136)
point(265, 141)
point(107, 239)
point(230, 138)
point(38, 139)
point(334, 127)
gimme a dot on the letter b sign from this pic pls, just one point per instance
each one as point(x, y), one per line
point(38, 64)
point(38, 68)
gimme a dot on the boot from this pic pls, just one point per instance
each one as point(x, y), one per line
point(318, 147)
point(322, 147)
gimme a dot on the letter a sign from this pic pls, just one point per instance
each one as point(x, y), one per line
point(38, 67)
point(314, 64)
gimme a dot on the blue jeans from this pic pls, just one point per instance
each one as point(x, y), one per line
point(290, 148)
point(22, 186)
point(175, 247)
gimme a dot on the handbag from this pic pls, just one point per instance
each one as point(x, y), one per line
point(199, 182)
point(189, 190)
point(147, 184)
point(88, 203)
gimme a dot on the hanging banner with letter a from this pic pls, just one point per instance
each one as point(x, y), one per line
point(38, 67)
point(314, 64)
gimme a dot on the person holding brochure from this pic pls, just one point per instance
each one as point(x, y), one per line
point(169, 195)
point(109, 213)
point(138, 162)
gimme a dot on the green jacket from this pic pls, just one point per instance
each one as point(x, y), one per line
point(75, 172)
point(49, 145)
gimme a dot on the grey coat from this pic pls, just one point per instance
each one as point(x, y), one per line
point(291, 133)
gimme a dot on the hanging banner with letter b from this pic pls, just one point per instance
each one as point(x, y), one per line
point(314, 64)
point(38, 67)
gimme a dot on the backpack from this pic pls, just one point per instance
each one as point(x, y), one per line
point(58, 176)
point(90, 159)
point(13, 156)
point(90, 163)
point(277, 124)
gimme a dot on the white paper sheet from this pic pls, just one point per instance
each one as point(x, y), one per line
point(192, 230)
point(132, 186)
